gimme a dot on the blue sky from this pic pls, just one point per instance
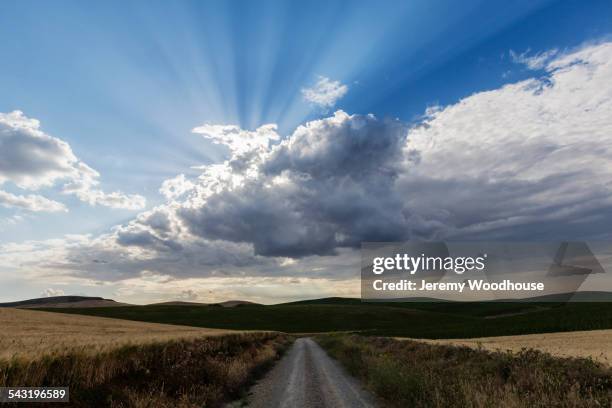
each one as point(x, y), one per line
point(124, 83)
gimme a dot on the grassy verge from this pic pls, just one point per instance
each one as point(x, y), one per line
point(407, 373)
point(201, 372)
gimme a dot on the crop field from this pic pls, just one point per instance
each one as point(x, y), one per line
point(30, 333)
point(595, 344)
point(165, 356)
point(415, 320)
point(114, 363)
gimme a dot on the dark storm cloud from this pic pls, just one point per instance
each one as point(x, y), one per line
point(330, 185)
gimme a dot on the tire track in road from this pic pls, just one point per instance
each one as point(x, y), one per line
point(307, 377)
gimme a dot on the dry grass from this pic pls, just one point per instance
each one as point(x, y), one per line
point(416, 374)
point(187, 373)
point(595, 344)
point(31, 333)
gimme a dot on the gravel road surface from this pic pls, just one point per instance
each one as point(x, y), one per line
point(307, 377)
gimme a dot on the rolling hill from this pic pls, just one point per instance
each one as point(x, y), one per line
point(418, 320)
point(64, 302)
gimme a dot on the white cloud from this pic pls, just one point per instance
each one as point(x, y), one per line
point(498, 162)
point(50, 292)
point(188, 295)
point(325, 93)
point(32, 159)
point(175, 187)
point(30, 202)
point(239, 141)
point(10, 221)
point(533, 62)
point(530, 160)
point(86, 190)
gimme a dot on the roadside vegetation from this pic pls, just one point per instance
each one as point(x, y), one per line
point(415, 374)
point(193, 372)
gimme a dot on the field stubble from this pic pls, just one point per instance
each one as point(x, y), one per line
point(30, 333)
point(110, 363)
point(595, 344)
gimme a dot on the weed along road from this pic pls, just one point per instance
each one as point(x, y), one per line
point(307, 377)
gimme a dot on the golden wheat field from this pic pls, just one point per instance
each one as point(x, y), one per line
point(596, 344)
point(30, 333)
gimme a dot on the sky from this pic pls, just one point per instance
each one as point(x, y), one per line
point(208, 150)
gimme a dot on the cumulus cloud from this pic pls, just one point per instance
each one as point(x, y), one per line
point(319, 189)
point(520, 161)
point(32, 159)
point(176, 187)
point(325, 93)
point(530, 160)
point(188, 295)
point(238, 140)
point(535, 61)
point(50, 292)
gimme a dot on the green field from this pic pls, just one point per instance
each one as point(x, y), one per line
point(419, 320)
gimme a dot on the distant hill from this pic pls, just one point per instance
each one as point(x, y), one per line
point(178, 303)
point(235, 303)
point(64, 302)
point(325, 301)
point(93, 301)
point(357, 301)
point(228, 303)
point(583, 296)
point(418, 320)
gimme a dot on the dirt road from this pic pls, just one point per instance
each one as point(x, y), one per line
point(307, 377)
